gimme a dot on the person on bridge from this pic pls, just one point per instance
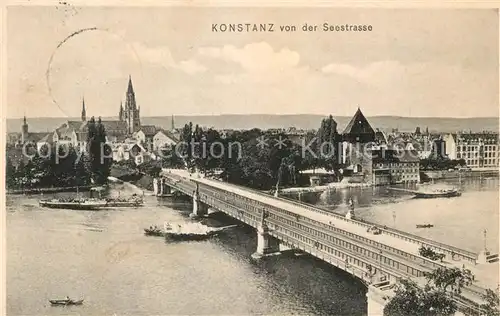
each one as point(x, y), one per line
point(351, 203)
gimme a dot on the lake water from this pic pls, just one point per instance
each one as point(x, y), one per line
point(104, 257)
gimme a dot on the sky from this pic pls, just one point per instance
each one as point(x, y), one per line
point(414, 62)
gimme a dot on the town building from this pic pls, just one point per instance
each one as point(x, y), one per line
point(122, 134)
point(29, 137)
point(358, 137)
point(371, 158)
point(163, 139)
point(479, 150)
point(395, 166)
point(296, 136)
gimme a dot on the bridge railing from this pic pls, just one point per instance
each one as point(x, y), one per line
point(320, 227)
point(188, 189)
point(454, 252)
point(451, 250)
point(356, 271)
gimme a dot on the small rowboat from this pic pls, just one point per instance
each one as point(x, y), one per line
point(65, 302)
point(424, 225)
point(153, 232)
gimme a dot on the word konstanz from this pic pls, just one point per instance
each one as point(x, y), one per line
point(243, 27)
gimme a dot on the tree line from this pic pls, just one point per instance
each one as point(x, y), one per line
point(56, 165)
point(437, 296)
point(255, 158)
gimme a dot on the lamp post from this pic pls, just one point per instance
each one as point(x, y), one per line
point(380, 264)
point(484, 232)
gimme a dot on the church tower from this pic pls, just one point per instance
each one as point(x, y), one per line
point(356, 153)
point(131, 114)
point(84, 112)
point(120, 113)
point(24, 130)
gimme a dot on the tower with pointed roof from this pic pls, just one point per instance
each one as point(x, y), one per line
point(356, 152)
point(359, 130)
point(24, 130)
point(131, 113)
point(84, 112)
point(120, 112)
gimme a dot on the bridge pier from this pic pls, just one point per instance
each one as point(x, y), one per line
point(376, 302)
point(200, 209)
point(161, 188)
point(266, 244)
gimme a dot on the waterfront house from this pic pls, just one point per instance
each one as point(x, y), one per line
point(395, 166)
point(479, 150)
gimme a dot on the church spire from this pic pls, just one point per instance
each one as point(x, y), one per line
point(131, 111)
point(84, 112)
point(120, 112)
point(130, 88)
point(24, 129)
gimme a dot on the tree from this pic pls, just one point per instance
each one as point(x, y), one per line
point(10, 173)
point(435, 298)
point(185, 149)
point(82, 176)
point(170, 158)
point(490, 308)
point(328, 144)
point(412, 300)
point(450, 279)
point(99, 151)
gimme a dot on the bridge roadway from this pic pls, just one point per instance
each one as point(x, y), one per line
point(344, 243)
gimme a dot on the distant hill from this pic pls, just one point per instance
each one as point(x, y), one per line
point(305, 121)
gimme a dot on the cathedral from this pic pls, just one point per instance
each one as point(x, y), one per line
point(75, 132)
point(126, 129)
point(131, 113)
point(128, 122)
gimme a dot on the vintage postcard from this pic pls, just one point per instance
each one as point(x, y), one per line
point(250, 160)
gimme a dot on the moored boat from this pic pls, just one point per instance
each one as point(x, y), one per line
point(65, 302)
point(436, 192)
point(74, 204)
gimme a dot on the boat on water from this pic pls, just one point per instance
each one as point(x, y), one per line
point(187, 231)
point(154, 231)
point(424, 225)
point(192, 231)
point(431, 191)
point(134, 201)
point(74, 204)
point(65, 302)
point(189, 236)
